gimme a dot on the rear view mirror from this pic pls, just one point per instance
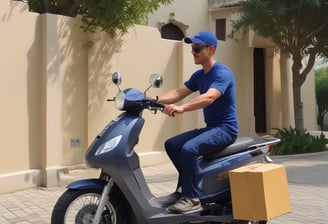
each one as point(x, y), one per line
point(116, 78)
point(156, 80)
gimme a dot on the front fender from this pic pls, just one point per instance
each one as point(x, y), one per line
point(87, 184)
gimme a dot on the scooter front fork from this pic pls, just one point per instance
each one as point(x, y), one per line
point(102, 202)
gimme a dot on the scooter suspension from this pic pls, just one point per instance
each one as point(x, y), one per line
point(102, 201)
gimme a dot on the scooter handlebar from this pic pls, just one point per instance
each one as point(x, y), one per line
point(153, 105)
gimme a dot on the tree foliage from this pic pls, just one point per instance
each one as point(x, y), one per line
point(321, 90)
point(112, 16)
point(297, 27)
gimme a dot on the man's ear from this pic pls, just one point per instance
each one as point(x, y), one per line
point(212, 48)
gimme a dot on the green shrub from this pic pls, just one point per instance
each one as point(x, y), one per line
point(292, 142)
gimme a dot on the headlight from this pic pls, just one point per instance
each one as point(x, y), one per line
point(109, 145)
point(119, 100)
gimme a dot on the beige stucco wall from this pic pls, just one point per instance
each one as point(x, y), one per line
point(20, 95)
point(66, 73)
point(309, 104)
point(19, 89)
point(54, 90)
point(43, 90)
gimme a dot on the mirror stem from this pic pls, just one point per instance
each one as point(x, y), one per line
point(147, 89)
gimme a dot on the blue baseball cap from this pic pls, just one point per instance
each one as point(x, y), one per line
point(203, 37)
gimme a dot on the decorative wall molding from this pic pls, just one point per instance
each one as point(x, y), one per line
point(217, 4)
point(183, 27)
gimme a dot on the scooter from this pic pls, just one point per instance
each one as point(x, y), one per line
point(121, 195)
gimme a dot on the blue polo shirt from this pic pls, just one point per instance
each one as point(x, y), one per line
point(222, 112)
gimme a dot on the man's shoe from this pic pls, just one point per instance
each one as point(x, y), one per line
point(170, 199)
point(185, 205)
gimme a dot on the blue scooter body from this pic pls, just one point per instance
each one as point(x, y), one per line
point(121, 163)
point(113, 152)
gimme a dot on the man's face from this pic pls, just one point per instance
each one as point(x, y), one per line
point(201, 53)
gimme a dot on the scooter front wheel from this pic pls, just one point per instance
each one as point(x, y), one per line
point(79, 207)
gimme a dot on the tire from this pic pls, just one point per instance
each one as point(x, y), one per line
point(79, 207)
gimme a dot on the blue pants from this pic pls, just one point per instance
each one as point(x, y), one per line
point(185, 149)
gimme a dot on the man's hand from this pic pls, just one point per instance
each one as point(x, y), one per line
point(171, 109)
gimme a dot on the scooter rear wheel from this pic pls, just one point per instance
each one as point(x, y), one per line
point(79, 207)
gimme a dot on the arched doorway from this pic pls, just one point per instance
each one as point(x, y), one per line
point(171, 32)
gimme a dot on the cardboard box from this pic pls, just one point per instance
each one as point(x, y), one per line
point(259, 192)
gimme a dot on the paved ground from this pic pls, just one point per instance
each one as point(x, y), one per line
point(307, 177)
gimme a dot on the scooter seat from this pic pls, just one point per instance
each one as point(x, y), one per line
point(241, 144)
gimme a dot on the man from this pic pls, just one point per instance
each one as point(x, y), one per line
point(216, 85)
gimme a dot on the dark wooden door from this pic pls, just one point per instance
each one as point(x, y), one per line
point(259, 91)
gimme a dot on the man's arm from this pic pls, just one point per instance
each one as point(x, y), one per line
point(175, 95)
point(202, 100)
point(198, 102)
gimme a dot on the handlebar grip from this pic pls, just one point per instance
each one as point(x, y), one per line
point(159, 105)
point(152, 104)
